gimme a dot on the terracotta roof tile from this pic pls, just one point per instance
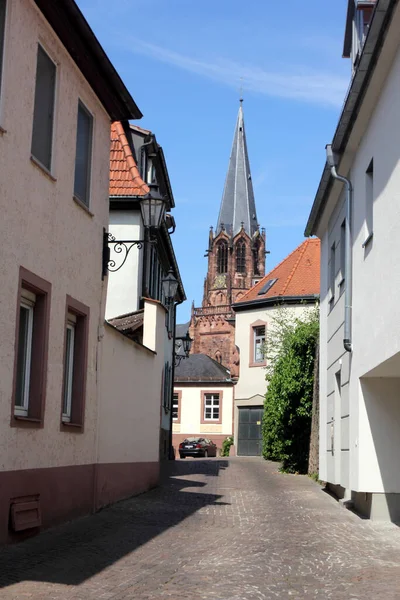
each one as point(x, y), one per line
point(297, 275)
point(125, 179)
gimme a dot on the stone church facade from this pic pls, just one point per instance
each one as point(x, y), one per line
point(236, 260)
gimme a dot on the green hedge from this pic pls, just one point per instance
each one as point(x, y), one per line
point(288, 402)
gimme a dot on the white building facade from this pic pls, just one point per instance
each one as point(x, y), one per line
point(360, 346)
point(292, 287)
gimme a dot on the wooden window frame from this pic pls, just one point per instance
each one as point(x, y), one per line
point(205, 393)
point(79, 372)
point(39, 355)
point(179, 394)
point(85, 202)
point(252, 360)
point(48, 168)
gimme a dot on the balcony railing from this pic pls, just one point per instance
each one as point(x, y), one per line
point(213, 310)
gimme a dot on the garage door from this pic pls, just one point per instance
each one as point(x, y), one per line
point(249, 434)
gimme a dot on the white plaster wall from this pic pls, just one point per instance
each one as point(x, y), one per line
point(191, 410)
point(45, 231)
point(131, 378)
point(373, 424)
point(252, 379)
point(124, 286)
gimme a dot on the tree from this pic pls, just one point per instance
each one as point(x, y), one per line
point(289, 399)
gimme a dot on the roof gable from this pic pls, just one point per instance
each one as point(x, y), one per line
point(297, 275)
point(125, 179)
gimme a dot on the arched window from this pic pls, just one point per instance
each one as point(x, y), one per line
point(241, 256)
point(222, 257)
point(256, 249)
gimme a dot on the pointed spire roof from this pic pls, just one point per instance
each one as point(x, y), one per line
point(238, 206)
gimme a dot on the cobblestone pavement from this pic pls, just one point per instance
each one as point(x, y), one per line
point(216, 529)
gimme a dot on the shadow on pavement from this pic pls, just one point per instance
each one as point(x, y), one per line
point(74, 552)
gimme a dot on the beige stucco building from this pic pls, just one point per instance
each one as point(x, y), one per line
point(65, 427)
point(202, 401)
point(357, 221)
point(292, 285)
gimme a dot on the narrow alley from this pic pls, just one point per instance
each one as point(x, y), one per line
point(220, 529)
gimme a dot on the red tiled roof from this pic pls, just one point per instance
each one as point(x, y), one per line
point(297, 275)
point(125, 179)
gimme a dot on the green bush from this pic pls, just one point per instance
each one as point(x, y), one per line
point(288, 402)
point(226, 446)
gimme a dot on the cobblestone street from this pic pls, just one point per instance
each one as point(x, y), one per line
point(226, 529)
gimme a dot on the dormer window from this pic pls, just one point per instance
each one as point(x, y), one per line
point(362, 18)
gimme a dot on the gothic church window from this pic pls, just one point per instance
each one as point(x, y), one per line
point(222, 257)
point(241, 256)
point(256, 250)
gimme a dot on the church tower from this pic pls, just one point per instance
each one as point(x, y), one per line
point(236, 259)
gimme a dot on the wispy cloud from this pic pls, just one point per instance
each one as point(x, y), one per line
point(299, 83)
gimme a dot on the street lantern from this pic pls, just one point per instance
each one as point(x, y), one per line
point(186, 342)
point(170, 286)
point(152, 207)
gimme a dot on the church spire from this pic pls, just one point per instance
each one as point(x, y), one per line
point(238, 205)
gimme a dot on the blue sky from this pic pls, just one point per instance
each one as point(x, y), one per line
point(183, 61)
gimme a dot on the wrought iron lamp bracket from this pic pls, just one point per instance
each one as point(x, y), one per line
point(121, 248)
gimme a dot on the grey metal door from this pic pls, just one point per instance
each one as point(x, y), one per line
point(249, 434)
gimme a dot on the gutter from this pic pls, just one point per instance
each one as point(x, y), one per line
point(240, 306)
point(380, 23)
point(331, 159)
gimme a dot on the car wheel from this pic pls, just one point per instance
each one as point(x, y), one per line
point(205, 453)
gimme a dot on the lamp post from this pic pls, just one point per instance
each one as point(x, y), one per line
point(152, 208)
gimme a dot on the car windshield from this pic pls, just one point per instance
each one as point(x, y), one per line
point(192, 439)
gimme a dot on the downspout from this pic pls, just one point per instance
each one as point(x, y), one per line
point(331, 159)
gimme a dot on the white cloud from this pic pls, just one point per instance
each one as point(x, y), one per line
point(299, 83)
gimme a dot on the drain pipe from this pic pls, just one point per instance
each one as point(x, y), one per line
point(331, 160)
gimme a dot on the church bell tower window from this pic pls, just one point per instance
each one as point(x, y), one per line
point(241, 256)
point(222, 257)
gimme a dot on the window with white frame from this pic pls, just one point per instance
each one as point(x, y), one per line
point(259, 341)
point(175, 407)
point(69, 367)
point(43, 114)
point(83, 156)
point(2, 33)
point(24, 357)
point(211, 407)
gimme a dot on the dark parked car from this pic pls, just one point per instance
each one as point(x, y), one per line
point(196, 446)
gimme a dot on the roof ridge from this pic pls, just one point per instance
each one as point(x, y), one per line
point(301, 254)
point(130, 161)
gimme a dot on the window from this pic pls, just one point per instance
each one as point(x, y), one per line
point(69, 366)
point(241, 256)
point(343, 250)
point(75, 363)
point(211, 407)
point(26, 312)
point(2, 34)
point(31, 343)
point(332, 272)
point(43, 115)
point(267, 286)
point(83, 157)
point(222, 257)
point(175, 408)
point(369, 202)
point(259, 341)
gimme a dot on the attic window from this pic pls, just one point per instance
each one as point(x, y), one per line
point(267, 286)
